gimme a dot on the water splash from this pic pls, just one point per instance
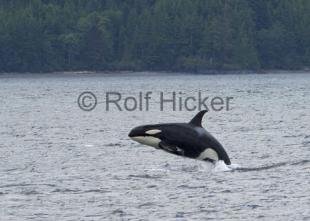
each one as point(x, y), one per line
point(220, 166)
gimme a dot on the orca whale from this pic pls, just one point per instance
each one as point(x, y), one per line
point(183, 139)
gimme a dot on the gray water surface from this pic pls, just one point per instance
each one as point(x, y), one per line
point(58, 162)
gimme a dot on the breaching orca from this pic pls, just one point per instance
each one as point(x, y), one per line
point(183, 139)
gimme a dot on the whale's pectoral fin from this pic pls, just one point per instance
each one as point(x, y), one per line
point(196, 121)
point(171, 148)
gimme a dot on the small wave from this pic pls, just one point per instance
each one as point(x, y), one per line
point(148, 204)
point(96, 191)
point(26, 184)
point(79, 191)
point(114, 145)
point(118, 212)
point(302, 162)
point(267, 167)
point(66, 190)
point(15, 169)
point(191, 187)
point(246, 169)
point(145, 176)
point(30, 192)
point(306, 143)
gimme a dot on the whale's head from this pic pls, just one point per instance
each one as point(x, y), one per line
point(172, 133)
point(147, 134)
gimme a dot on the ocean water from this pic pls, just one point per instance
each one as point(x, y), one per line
point(58, 162)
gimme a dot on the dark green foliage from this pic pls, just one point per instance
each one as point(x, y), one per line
point(189, 35)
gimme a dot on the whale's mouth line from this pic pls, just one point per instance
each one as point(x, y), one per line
point(147, 140)
point(267, 167)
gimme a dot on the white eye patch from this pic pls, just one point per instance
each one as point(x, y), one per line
point(152, 132)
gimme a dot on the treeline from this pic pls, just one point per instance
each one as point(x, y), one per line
point(188, 35)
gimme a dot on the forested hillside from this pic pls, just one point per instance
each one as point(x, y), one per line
point(187, 35)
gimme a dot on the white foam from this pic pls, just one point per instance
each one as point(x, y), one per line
point(233, 166)
point(208, 166)
point(89, 145)
point(220, 166)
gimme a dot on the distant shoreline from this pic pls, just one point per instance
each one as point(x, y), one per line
point(128, 72)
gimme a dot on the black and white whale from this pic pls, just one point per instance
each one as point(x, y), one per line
point(183, 139)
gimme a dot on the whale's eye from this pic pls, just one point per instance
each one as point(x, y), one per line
point(152, 132)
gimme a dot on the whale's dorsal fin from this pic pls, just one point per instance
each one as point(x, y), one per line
point(198, 118)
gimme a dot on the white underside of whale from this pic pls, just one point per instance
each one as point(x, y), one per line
point(147, 140)
point(208, 153)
